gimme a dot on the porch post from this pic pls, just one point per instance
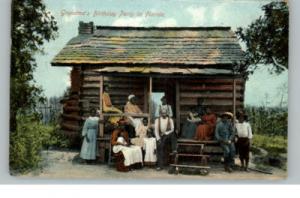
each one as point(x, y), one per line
point(149, 100)
point(146, 96)
point(177, 103)
point(101, 143)
point(101, 124)
point(234, 98)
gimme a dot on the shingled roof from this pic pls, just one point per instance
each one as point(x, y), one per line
point(161, 46)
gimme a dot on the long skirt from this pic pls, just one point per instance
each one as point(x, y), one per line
point(132, 154)
point(88, 149)
point(188, 130)
point(243, 148)
point(113, 120)
point(150, 150)
point(204, 132)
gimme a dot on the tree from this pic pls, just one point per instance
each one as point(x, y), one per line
point(32, 25)
point(266, 38)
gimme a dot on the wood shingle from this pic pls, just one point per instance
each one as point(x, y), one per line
point(155, 46)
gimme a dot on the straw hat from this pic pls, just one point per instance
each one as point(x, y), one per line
point(229, 114)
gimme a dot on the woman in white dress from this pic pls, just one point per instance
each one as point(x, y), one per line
point(120, 143)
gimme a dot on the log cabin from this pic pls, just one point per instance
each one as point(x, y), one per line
point(184, 63)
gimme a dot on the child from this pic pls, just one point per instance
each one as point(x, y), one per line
point(121, 139)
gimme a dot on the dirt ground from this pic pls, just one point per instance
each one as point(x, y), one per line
point(61, 165)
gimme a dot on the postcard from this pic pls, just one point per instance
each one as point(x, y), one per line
point(162, 89)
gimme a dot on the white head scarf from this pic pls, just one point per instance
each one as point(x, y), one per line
point(131, 96)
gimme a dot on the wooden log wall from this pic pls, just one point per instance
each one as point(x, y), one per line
point(71, 121)
point(119, 90)
point(216, 93)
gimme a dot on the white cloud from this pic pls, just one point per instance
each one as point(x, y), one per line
point(136, 21)
point(198, 15)
point(217, 12)
point(169, 22)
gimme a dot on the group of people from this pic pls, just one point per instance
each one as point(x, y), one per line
point(234, 137)
point(199, 125)
point(148, 143)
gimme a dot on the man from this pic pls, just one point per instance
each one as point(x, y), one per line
point(164, 106)
point(244, 134)
point(132, 107)
point(164, 132)
point(108, 107)
point(225, 135)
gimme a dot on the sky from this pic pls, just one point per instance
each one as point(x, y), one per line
point(262, 88)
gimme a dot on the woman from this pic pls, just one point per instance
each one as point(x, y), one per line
point(205, 130)
point(132, 154)
point(190, 125)
point(89, 134)
point(108, 107)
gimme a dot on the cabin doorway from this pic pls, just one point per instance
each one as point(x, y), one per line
point(164, 87)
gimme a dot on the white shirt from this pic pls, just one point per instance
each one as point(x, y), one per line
point(244, 130)
point(163, 127)
point(166, 107)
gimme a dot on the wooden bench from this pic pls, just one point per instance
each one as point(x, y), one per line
point(189, 148)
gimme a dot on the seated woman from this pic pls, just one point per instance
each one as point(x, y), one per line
point(132, 107)
point(108, 107)
point(144, 140)
point(120, 144)
point(190, 125)
point(205, 130)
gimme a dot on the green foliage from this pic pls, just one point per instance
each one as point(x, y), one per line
point(56, 139)
point(28, 140)
point(266, 38)
point(268, 121)
point(273, 144)
point(32, 25)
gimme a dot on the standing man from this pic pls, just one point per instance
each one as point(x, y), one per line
point(164, 106)
point(225, 135)
point(164, 132)
point(244, 134)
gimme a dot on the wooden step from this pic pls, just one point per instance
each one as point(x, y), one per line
point(188, 144)
point(190, 166)
point(191, 155)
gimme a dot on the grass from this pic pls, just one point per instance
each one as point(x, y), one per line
point(273, 144)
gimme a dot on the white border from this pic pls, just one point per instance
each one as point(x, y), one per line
point(294, 98)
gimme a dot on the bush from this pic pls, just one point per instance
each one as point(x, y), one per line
point(27, 142)
point(273, 144)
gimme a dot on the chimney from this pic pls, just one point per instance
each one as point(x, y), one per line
point(86, 28)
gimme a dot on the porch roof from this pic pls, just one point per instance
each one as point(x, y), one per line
point(164, 71)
